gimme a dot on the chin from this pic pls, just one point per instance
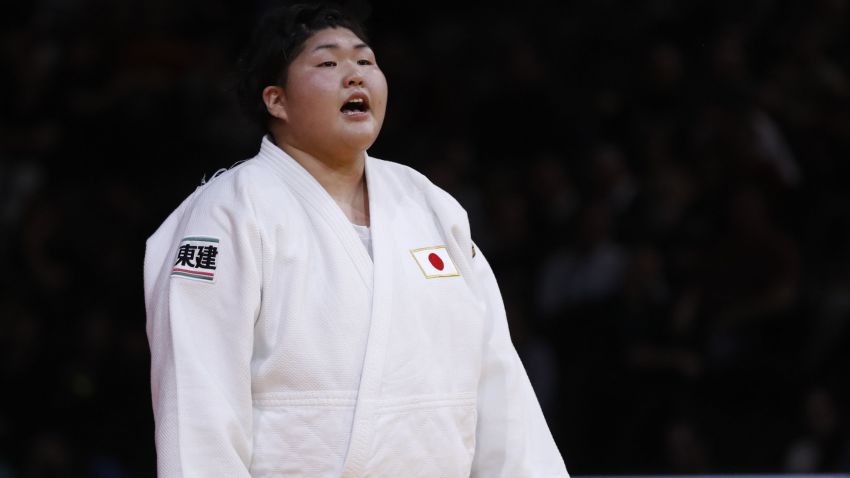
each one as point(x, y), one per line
point(360, 141)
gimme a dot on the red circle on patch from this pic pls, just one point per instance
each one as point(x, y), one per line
point(435, 261)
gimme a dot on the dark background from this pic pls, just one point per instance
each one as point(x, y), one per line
point(659, 186)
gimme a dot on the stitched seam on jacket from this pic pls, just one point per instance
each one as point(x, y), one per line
point(325, 398)
point(306, 402)
point(426, 402)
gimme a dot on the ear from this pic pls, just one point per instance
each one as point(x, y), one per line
point(275, 100)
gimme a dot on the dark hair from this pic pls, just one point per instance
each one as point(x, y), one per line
point(278, 38)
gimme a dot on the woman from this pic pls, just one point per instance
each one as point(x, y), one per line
point(317, 312)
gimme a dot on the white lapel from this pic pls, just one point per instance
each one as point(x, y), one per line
point(313, 194)
point(381, 212)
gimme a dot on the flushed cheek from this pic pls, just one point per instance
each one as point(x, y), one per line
point(379, 92)
point(318, 107)
point(312, 89)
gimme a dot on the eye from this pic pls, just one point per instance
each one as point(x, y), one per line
point(364, 62)
point(327, 64)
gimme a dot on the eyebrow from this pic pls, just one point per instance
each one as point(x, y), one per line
point(335, 46)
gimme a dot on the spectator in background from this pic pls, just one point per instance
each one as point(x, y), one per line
point(822, 445)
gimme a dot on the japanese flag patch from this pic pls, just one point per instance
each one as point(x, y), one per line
point(435, 262)
point(196, 258)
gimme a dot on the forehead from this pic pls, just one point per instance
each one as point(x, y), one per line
point(333, 38)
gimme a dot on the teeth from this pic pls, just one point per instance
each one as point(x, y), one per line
point(355, 105)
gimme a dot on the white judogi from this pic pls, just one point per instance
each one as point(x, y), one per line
point(279, 348)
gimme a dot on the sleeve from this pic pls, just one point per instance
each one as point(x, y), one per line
point(202, 297)
point(512, 438)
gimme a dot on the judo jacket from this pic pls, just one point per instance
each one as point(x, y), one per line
point(280, 348)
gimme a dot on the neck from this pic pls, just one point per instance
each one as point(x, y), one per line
point(343, 178)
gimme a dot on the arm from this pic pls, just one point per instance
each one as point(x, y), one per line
point(512, 439)
point(201, 340)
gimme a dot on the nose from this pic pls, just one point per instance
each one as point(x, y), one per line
point(354, 81)
point(355, 78)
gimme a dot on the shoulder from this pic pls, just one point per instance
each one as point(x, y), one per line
point(406, 181)
point(226, 195)
point(233, 186)
point(410, 187)
point(242, 191)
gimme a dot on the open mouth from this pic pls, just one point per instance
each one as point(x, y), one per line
point(355, 105)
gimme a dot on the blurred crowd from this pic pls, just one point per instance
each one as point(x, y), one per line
point(659, 187)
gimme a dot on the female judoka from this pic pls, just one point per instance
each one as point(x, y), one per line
point(317, 312)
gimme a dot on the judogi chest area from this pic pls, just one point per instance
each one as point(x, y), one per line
point(280, 348)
